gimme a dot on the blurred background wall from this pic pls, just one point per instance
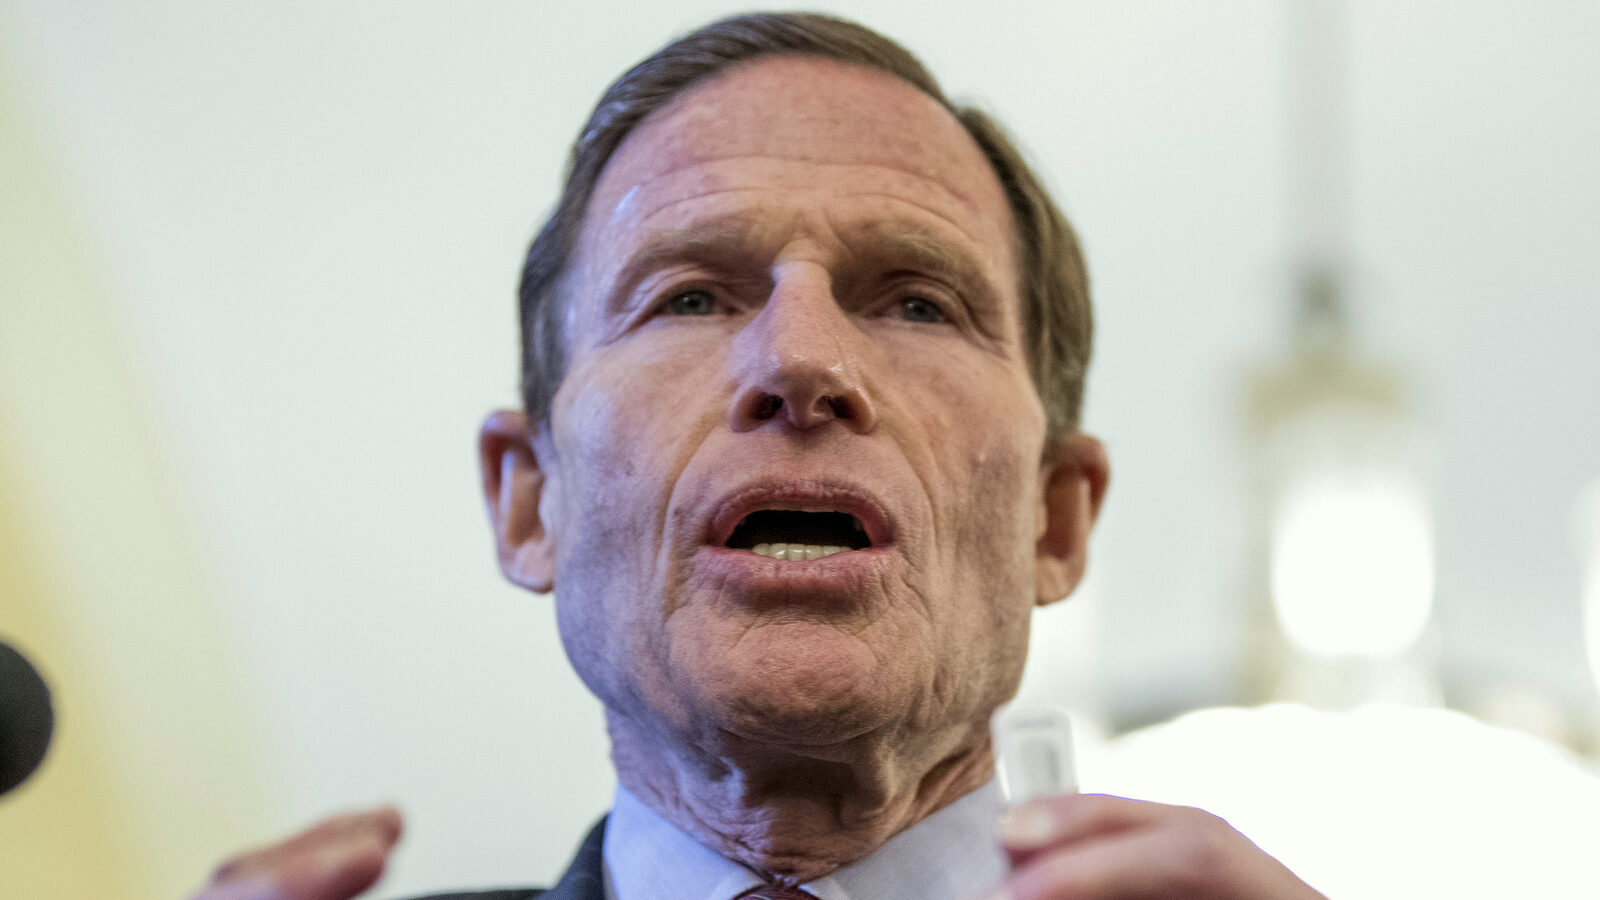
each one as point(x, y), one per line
point(257, 292)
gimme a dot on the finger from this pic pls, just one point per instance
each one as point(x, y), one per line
point(1126, 866)
point(335, 859)
point(350, 830)
point(1074, 817)
point(1167, 851)
point(337, 873)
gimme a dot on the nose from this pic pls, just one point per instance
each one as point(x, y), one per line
point(800, 360)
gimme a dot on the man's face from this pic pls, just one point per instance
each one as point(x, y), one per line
point(795, 328)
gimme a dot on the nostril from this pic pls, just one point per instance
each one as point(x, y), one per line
point(768, 407)
point(754, 407)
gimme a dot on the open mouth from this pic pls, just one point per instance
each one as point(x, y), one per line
point(794, 534)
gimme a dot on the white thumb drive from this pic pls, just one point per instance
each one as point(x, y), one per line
point(1033, 752)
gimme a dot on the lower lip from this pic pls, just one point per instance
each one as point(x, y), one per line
point(844, 578)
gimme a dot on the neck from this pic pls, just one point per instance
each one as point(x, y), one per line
point(796, 814)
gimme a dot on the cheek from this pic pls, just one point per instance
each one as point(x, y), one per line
point(624, 423)
point(982, 445)
point(626, 414)
point(993, 541)
point(1002, 456)
point(994, 546)
point(980, 427)
point(985, 440)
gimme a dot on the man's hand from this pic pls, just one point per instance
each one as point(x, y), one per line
point(335, 860)
point(1095, 847)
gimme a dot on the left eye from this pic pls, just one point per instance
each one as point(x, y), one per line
point(921, 309)
point(692, 303)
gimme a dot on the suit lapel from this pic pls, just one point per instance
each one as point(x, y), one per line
point(583, 879)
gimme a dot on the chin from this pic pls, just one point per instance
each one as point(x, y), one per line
point(804, 684)
point(805, 723)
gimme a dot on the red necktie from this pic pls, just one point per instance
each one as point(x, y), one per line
point(776, 892)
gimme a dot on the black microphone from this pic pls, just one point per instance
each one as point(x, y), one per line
point(26, 718)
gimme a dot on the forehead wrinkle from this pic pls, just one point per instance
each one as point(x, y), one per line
point(719, 192)
point(774, 181)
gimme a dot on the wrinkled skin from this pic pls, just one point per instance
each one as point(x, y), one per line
point(797, 286)
point(799, 278)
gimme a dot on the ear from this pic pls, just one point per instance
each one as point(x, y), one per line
point(513, 486)
point(1073, 480)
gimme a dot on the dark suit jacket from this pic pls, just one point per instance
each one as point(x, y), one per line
point(582, 880)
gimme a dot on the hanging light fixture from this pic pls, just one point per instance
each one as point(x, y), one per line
point(1345, 573)
point(1342, 540)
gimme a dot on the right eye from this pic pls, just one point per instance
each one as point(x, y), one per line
point(692, 303)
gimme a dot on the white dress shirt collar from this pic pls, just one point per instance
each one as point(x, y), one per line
point(951, 854)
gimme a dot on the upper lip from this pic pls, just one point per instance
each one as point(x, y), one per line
point(806, 496)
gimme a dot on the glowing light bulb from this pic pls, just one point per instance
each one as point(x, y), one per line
point(1352, 562)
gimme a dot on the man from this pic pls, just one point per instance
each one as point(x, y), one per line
point(804, 353)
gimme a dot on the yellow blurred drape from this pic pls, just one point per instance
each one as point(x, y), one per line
point(155, 770)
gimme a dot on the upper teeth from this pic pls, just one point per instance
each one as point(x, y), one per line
point(796, 551)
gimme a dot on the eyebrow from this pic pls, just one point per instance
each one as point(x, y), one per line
point(912, 245)
point(734, 237)
point(898, 243)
